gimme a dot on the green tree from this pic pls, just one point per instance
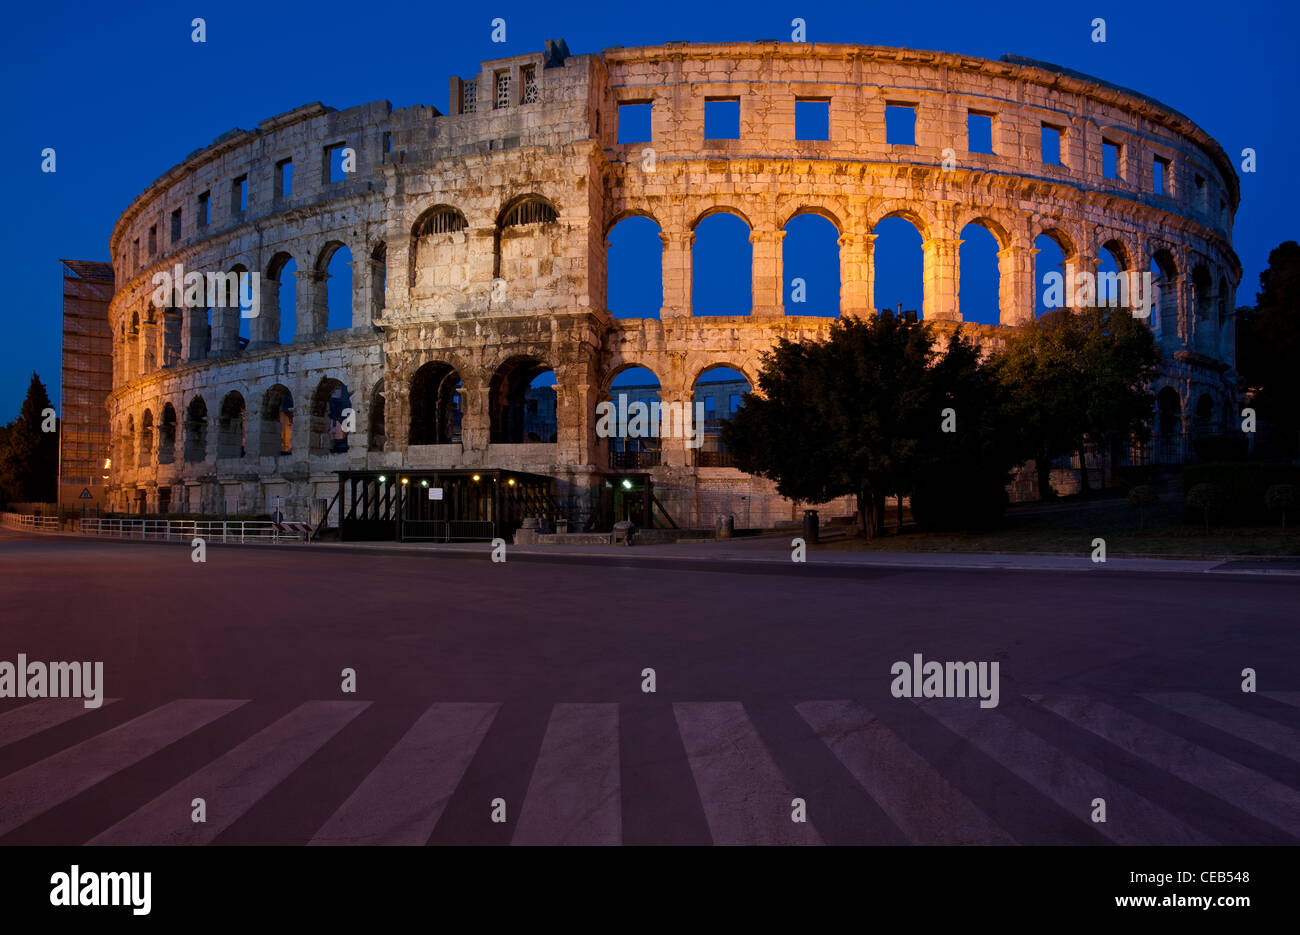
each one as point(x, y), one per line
point(1072, 377)
point(29, 458)
point(859, 414)
point(1268, 345)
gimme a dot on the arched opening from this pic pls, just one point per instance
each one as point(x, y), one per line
point(523, 402)
point(437, 405)
point(899, 262)
point(1051, 290)
point(718, 394)
point(148, 342)
point(133, 347)
point(1164, 276)
point(1111, 288)
point(167, 435)
point(331, 406)
point(276, 437)
point(335, 266)
point(129, 452)
point(722, 264)
point(979, 280)
point(146, 439)
point(629, 419)
point(634, 269)
point(439, 253)
point(196, 430)
point(231, 434)
point(526, 248)
point(282, 314)
point(1225, 321)
point(1169, 426)
point(241, 334)
point(810, 261)
point(173, 329)
point(1206, 304)
point(377, 433)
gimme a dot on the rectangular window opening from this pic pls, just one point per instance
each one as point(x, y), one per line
point(900, 124)
point(722, 118)
point(979, 132)
point(1050, 143)
point(239, 195)
point(634, 122)
point(335, 167)
point(204, 215)
point(284, 178)
point(1111, 154)
point(503, 90)
point(176, 225)
point(153, 239)
point(812, 118)
point(528, 75)
point(1160, 176)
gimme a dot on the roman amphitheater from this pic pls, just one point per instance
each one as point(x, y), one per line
point(478, 246)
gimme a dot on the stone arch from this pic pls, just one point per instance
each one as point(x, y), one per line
point(907, 211)
point(378, 279)
point(634, 266)
point(130, 455)
point(1164, 269)
point(520, 222)
point(810, 263)
point(1205, 421)
point(437, 404)
point(512, 411)
point(633, 444)
point(833, 214)
point(980, 218)
point(1067, 242)
point(1120, 251)
point(1169, 426)
point(898, 258)
point(1205, 307)
point(275, 435)
point(438, 249)
point(635, 211)
point(146, 438)
point(723, 239)
point(232, 437)
point(167, 434)
point(196, 430)
point(332, 307)
point(376, 434)
point(979, 273)
point(721, 399)
point(275, 300)
point(329, 405)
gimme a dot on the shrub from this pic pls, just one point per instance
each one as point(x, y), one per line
point(1205, 497)
point(952, 501)
point(1243, 485)
point(1281, 497)
point(1141, 497)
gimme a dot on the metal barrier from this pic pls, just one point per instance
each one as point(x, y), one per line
point(25, 522)
point(443, 531)
point(213, 530)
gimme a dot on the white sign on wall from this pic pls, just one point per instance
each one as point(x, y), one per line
point(435, 493)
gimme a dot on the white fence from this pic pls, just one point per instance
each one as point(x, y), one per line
point(26, 522)
point(208, 530)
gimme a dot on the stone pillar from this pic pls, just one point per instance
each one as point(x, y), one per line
point(312, 304)
point(767, 289)
point(1082, 264)
point(264, 330)
point(194, 337)
point(673, 450)
point(941, 277)
point(857, 274)
point(1016, 295)
point(677, 273)
point(225, 330)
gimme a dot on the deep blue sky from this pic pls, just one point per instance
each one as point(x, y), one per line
point(122, 94)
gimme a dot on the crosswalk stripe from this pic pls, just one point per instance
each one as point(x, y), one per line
point(1070, 783)
point(1270, 735)
point(1248, 790)
point(745, 797)
point(231, 784)
point(37, 716)
point(49, 782)
point(402, 798)
point(924, 806)
point(575, 794)
point(1291, 698)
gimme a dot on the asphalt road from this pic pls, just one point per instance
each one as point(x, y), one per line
point(514, 691)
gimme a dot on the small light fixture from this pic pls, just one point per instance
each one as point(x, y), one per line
point(382, 478)
point(424, 483)
point(476, 478)
point(511, 482)
point(405, 481)
point(627, 484)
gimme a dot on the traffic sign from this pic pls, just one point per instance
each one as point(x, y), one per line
point(86, 494)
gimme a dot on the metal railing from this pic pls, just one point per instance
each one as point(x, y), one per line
point(213, 530)
point(448, 531)
point(26, 522)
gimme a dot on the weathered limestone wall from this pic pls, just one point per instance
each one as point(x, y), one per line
point(443, 275)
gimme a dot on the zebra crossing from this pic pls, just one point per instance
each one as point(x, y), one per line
point(1141, 755)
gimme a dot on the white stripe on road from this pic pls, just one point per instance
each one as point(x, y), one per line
point(1248, 790)
point(49, 782)
point(924, 806)
point(1071, 784)
point(231, 784)
point(37, 716)
point(1270, 735)
point(574, 796)
point(402, 798)
point(745, 797)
